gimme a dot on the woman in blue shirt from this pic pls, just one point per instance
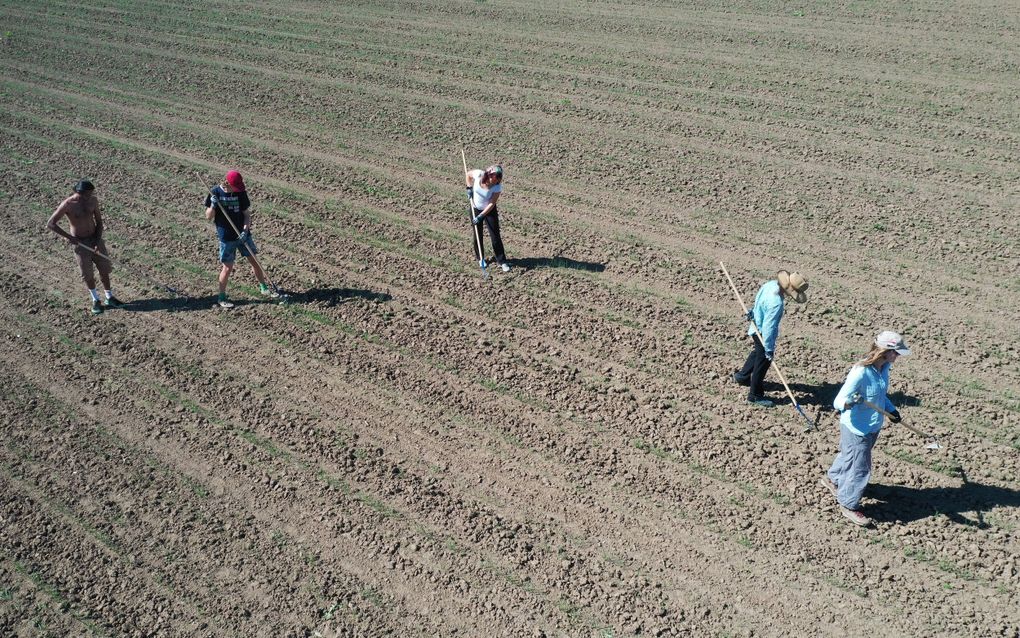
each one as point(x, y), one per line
point(859, 424)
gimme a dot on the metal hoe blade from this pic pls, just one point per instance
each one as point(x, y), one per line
point(813, 425)
point(934, 445)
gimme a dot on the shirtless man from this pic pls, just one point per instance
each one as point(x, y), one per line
point(86, 225)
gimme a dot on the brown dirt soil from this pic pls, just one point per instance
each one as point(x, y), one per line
point(409, 449)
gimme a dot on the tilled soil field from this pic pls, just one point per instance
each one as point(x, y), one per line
point(410, 449)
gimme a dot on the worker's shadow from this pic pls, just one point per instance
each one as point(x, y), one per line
point(807, 394)
point(529, 263)
point(183, 304)
point(333, 296)
point(327, 296)
point(824, 394)
point(906, 504)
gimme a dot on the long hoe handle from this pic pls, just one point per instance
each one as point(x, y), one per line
point(471, 215)
point(94, 251)
point(889, 416)
point(775, 364)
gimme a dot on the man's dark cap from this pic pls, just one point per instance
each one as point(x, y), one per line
point(84, 185)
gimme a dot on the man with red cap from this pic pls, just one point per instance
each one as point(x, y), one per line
point(228, 206)
point(86, 225)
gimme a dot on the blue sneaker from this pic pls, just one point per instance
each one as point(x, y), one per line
point(761, 402)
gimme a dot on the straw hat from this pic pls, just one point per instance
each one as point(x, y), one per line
point(793, 284)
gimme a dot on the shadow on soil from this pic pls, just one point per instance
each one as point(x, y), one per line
point(328, 296)
point(184, 304)
point(906, 504)
point(333, 296)
point(530, 263)
point(823, 395)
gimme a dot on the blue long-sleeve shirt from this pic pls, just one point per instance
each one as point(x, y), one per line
point(767, 311)
point(873, 385)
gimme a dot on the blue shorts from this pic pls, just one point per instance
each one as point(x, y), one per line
point(228, 250)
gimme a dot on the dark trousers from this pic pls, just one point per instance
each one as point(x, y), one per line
point(754, 369)
point(492, 222)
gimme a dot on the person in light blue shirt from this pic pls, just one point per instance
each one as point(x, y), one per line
point(765, 315)
point(859, 423)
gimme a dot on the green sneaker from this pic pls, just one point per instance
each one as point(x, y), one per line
point(113, 302)
point(266, 291)
point(97, 308)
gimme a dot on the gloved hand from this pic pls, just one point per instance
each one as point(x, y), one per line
point(73, 241)
point(470, 191)
point(244, 236)
point(749, 315)
point(476, 219)
point(853, 400)
point(214, 202)
point(895, 417)
point(769, 354)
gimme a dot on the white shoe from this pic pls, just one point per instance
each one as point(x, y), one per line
point(505, 266)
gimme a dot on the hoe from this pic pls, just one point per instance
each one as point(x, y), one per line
point(474, 231)
point(934, 445)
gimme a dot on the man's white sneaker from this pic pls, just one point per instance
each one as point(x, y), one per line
point(505, 266)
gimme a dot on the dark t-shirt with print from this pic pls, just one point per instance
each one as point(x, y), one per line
point(234, 204)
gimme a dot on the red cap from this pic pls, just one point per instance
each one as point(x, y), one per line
point(234, 179)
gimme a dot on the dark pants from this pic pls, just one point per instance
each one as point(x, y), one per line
point(754, 369)
point(492, 222)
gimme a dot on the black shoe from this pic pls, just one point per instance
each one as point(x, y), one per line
point(97, 308)
point(113, 302)
point(739, 380)
point(761, 401)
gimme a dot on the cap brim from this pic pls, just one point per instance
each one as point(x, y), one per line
point(904, 351)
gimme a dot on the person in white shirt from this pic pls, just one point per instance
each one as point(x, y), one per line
point(484, 188)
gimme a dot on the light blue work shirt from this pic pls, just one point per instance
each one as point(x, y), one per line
point(767, 311)
point(872, 384)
